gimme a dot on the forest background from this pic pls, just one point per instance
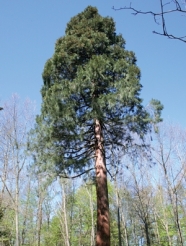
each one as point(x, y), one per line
point(154, 193)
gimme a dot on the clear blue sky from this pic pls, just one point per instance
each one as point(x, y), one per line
point(30, 28)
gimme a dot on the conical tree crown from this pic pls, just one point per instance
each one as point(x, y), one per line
point(90, 76)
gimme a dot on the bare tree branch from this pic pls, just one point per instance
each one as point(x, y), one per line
point(177, 8)
point(73, 177)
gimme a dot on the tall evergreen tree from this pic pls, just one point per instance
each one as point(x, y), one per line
point(90, 103)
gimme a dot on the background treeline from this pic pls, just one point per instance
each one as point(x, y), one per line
point(146, 191)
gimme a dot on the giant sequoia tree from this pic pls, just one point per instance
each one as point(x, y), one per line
point(91, 103)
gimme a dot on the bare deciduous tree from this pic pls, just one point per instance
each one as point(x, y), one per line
point(169, 154)
point(15, 121)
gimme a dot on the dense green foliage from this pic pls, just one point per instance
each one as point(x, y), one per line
point(90, 76)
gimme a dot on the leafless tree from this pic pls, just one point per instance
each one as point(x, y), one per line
point(169, 154)
point(15, 121)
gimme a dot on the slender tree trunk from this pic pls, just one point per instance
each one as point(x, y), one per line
point(125, 228)
point(39, 218)
point(103, 223)
point(92, 242)
point(172, 192)
point(119, 227)
point(26, 214)
point(17, 210)
point(121, 218)
point(118, 213)
point(177, 219)
point(135, 233)
point(157, 230)
point(80, 227)
point(147, 232)
point(67, 242)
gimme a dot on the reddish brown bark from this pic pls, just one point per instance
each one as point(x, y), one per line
point(103, 223)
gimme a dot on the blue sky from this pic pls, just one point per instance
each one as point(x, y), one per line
point(30, 28)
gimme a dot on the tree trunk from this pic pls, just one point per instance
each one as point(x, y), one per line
point(121, 218)
point(119, 227)
point(26, 214)
point(103, 224)
point(157, 229)
point(17, 210)
point(147, 232)
point(67, 241)
point(39, 217)
point(92, 236)
point(118, 213)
